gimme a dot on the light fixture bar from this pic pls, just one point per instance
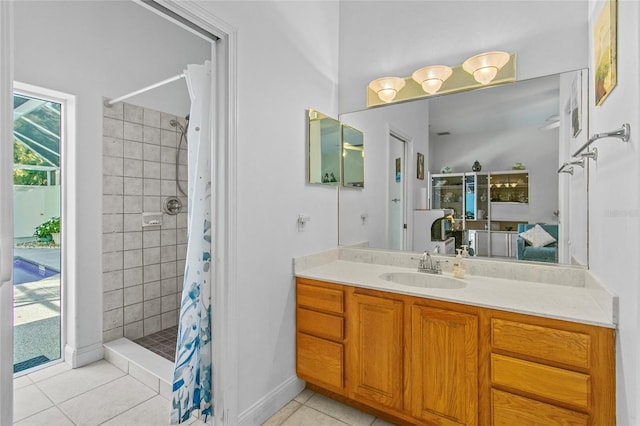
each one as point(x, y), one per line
point(459, 81)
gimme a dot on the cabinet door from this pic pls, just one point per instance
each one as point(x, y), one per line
point(499, 244)
point(444, 366)
point(320, 361)
point(375, 367)
point(481, 243)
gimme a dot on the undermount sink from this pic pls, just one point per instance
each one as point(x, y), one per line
point(419, 279)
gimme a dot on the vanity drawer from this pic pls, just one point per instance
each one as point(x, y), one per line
point(508, 410)
point(320, 298)
point(546, 343)
point(319, 324)
point(320, 361)
point(549, 382)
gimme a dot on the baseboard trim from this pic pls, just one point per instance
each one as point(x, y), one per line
point(83, 356)
point(268, 405)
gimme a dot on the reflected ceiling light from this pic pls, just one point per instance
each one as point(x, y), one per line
point(432, 77)
point(485, 66)
point(387, 87)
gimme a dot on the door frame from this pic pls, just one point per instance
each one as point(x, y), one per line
point(68, 283)
point(6, 220)
point(407, 195)
point(223, 204)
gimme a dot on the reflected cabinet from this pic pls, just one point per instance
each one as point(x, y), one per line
point(487, 207)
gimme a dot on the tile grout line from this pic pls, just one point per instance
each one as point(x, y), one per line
point(129, 409)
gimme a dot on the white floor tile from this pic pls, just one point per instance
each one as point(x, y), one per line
point(304, 396)
point(306, 416)
point(50, 417)
point(106, 402)
point(74, 382)
point(154, 412)
point(45, 373)
point(340, 411)
point(22, 382)
point(283, 414)
point(29, 400)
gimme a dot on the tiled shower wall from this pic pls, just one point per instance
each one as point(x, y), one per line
point(142, 267)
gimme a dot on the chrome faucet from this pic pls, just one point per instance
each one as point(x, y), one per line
point(428, 265)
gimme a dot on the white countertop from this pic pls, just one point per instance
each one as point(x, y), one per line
point(571, 303)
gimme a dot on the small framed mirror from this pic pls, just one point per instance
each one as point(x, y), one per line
point(325, 149)
point(352, 157)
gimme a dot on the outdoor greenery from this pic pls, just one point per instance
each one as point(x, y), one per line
point(23, 155)
point(48, 227)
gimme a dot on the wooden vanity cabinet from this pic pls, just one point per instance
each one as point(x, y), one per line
point(423, 361)
point(320, 352)
point(546, 371)
point(375, 350)
point(444, 366)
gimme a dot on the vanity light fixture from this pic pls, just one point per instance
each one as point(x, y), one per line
point(387, 87)
point(432, 77)
point(485, 69)
point(485, 66)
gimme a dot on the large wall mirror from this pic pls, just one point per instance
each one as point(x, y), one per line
point(518, 133)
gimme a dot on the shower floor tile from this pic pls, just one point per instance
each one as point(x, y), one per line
point(162, 343)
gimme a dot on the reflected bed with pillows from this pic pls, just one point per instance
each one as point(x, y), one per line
point(537, 242)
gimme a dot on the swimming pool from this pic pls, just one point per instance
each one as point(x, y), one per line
point(28, 272)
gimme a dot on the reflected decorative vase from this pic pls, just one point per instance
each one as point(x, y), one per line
point(476, 166)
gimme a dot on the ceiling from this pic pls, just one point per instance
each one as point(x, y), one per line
point(522, 104)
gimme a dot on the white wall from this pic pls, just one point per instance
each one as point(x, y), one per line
point(90, 50)
point(32, 206)
point(614, 202)
point(287, 62)
point(379, 38)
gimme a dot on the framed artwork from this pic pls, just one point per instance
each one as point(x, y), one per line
point(576, 105)
point(420, 167)
point(605, 47)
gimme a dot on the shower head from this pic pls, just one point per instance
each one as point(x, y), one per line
point(175, 123)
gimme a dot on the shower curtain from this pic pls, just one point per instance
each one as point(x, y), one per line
point(192, 378)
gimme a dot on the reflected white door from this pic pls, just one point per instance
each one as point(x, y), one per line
point(397, 193)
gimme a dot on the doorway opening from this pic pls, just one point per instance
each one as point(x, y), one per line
point(397, 190)
point(38, 139)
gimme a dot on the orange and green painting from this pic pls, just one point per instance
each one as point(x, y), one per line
point(605, 51)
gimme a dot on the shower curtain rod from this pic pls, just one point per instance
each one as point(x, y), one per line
point(144, 89)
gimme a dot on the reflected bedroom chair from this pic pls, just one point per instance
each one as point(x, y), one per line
point(547, 253)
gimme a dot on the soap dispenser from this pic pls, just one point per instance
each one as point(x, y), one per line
point(458, 266)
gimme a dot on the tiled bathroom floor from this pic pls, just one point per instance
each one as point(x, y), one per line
point(97, 394)
point(162, 343)
point(103, 394)
point(312, 409)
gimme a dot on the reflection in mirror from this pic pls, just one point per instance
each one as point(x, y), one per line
point(324, 149)
point(352, 157)
point(518, 133)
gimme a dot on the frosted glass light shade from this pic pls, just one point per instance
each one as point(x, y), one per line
point(432, 77)
point(387, 87)
point(485, 66)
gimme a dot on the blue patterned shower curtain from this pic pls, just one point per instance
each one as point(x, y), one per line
point(192, 377)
